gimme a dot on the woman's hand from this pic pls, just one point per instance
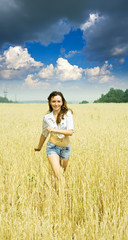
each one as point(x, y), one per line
point(37, 149)
point(50, 129)
point(41, 142)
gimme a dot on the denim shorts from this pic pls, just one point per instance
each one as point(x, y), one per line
point(63, 152)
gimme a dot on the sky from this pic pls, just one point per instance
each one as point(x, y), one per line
point(77, 47)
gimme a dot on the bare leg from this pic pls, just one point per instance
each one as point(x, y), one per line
point(55, 164)
point(64, 163)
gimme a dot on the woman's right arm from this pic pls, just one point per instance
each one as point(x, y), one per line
point(43, 136)
point(41, 142)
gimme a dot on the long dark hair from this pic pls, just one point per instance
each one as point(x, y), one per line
point(64, 107)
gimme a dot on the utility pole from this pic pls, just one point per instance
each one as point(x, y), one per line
point(5, 93)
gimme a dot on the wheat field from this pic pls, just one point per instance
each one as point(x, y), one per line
point(94, 200)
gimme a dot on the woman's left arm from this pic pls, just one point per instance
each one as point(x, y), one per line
point(66, 132)
point(70, 126)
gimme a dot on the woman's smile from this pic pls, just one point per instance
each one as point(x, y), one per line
point(56, 102)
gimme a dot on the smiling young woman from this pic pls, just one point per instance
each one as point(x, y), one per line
point(59, 124)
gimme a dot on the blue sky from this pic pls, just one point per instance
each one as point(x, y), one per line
point(77, 47)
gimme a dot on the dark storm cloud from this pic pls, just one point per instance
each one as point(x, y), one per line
point(26, 19)
point(39, 20)
point(108, 39)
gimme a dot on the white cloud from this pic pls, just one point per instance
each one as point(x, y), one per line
point(65, 71)
point(100, 74)
point(92, 19)
point(6, 74)
point(106, 78)
point(30, 82)
point(35, 83)
point(47, 73)
point(117, 51)
point(92, 71)
point(106, 69)
point(71, 54)
point(17, 58)
point(16, 63)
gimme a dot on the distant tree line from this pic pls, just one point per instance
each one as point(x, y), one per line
point(83, 102)
point(5, 100)
point(114, 95)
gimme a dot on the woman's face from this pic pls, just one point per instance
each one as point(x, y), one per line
point(56, 103)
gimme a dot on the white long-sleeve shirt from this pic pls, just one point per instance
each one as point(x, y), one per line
point(49, 121)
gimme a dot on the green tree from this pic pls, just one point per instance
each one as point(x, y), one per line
point(114, 95)
point(84, 102)
point(126, 95)
point(4, 100)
